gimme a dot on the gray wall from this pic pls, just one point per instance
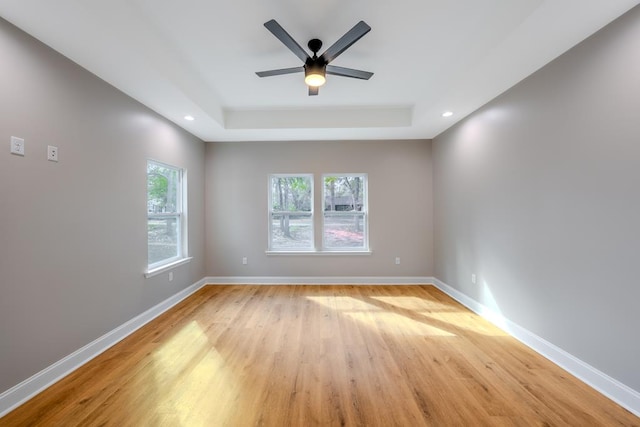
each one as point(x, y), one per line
point(73, 233)
point(400, 205)
point(537, 193)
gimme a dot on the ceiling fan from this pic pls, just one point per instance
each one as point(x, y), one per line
point(317, 67)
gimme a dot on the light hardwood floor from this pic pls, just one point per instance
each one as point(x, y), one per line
point(319, 355)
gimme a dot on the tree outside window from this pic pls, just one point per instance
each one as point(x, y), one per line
point(345, 212)
point(291, 212)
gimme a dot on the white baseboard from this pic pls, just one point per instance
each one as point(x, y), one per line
point(318, 280)
point(615, 390)
point(28, 388)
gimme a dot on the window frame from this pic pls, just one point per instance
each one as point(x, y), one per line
point(364, 213)
point(271, 212)
point(180, 215)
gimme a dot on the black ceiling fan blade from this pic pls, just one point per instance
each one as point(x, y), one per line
point(348, 72)
point(313, 90)
point(280, 71)
point(352, 36)
point(280, 33)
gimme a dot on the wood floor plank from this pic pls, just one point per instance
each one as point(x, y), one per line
point(242, 355)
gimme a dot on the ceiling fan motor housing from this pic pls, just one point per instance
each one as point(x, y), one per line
point(317, 65)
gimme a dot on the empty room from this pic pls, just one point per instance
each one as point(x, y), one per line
point(351, 213)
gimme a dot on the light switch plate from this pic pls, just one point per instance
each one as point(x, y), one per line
point(17, 146)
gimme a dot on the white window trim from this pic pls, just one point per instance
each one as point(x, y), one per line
point(183, 254)
point(364, 249)
point(359, 252)
point(270, 213)
point(166, 267)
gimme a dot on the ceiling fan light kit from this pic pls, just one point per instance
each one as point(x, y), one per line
point(314, 78)
point(315, 75)
point(317, 67)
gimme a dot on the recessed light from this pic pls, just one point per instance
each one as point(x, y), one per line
point(190, 118)
point(447, 114)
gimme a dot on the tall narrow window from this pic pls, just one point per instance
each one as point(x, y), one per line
point(345, 222)
point(165, 222)
point(291, 213)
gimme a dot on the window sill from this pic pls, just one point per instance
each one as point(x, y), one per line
point(320, 253)
point(166, 267)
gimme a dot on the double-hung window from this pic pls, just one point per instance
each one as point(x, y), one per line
point(165, 215)
point(291, 212)
point(345, 222)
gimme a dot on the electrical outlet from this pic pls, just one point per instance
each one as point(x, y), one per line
point(473, 278)
point(171, 276)
point(397, 260)
point(17, 146)
point(52, 153)
point(244, 260)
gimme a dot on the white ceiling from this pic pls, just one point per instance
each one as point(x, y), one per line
point(199, 57)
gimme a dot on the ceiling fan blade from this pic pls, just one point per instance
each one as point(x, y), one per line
point(352, 36)
point(286, 39)
point(348, 72)
point(313, 90)
point(280, 71)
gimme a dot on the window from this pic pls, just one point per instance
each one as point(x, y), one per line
point(165, 215)
point(291, 213)
point(345, 225)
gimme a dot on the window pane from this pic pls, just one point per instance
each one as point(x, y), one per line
point(344, 225)
point(163, 234)
point(291, 193)
point(291, 231)
point(344, 231)
point(164, 213)
point(291, 214)
point(162, 188)
point(343, 193)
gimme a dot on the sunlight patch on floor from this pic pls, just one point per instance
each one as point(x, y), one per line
point(189, 373)
point(378, 317)
point(398, 324)
point(443, 313)
point(344, 303)
point(469, 321)
point(416, 304)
